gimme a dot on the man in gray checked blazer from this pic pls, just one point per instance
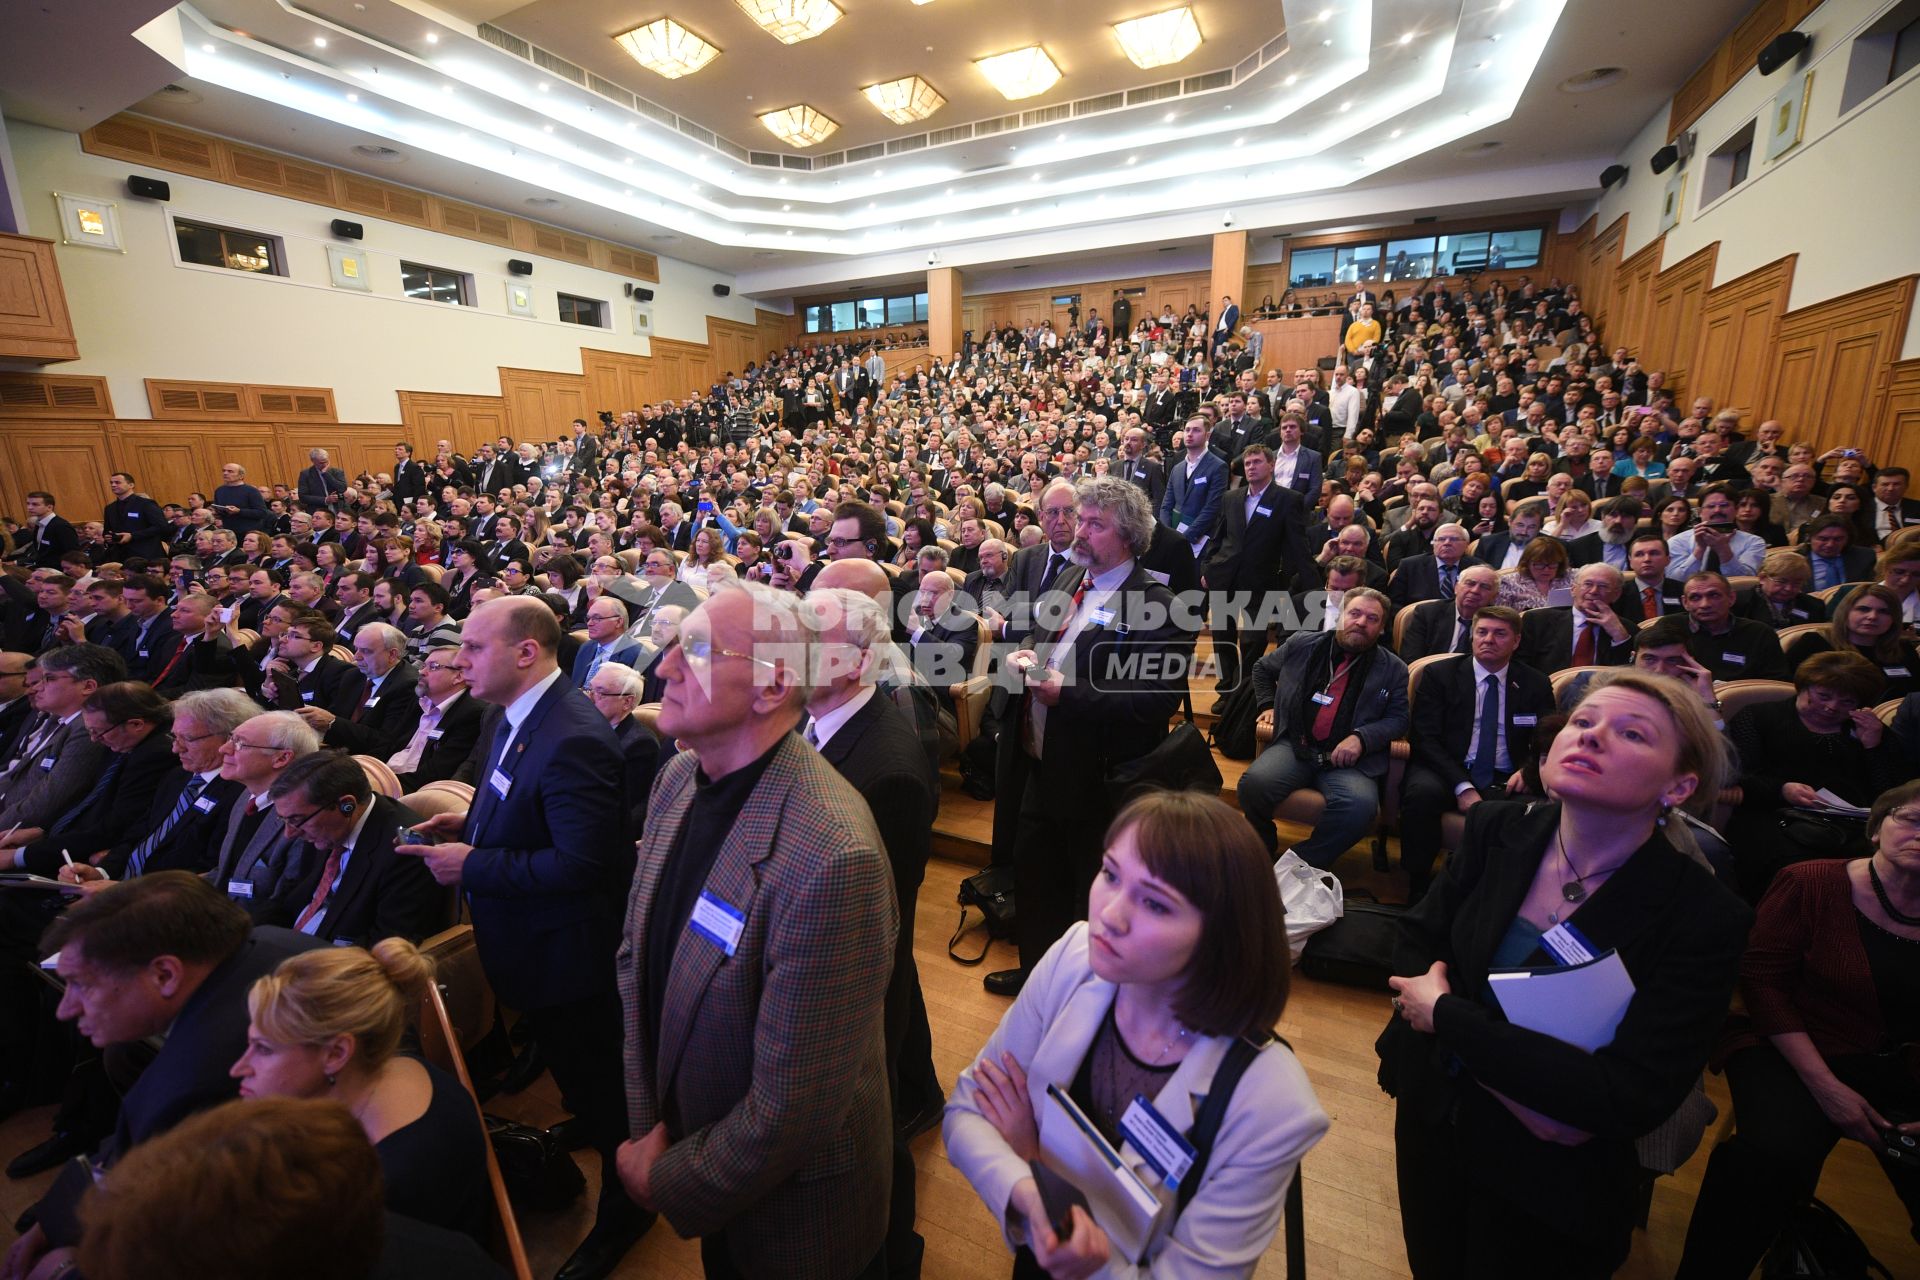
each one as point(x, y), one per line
point(759, 941)
point(64, 761)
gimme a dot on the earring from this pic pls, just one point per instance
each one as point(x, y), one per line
point(1666, 810)
point(331, 1081)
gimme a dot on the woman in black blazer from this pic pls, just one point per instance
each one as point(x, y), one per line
point(1515, 1150)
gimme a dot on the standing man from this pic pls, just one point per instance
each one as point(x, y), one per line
point(759, 944)
point(51, 537)
point(1196, 488)
point(409, 477)
point(544, 857)
point(135, 524)
point(1262, 551)
point(237, 503)
point(321, 486)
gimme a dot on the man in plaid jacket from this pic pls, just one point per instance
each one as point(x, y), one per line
point(759, 941)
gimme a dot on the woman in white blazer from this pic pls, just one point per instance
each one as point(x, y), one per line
point(1130, 1003)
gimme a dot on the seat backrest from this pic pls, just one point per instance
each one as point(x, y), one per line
point(1567, 677)
point(1789, 634)
point(1737, 695)
point(983, 651)
point(629, 559)
point(1743, 582)
point(428, 802)
point(1888, 710)
point(385, 782)
point(1400, 621)
point(433, 571)
point(1417, 668)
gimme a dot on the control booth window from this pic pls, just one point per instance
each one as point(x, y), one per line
point(583, 311)
point(432, 284)
point(207, 245)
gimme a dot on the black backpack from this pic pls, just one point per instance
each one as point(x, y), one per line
point(1233, 729)
point(1357, 949)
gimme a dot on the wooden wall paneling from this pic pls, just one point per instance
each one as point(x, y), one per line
point(465, 420)
point(53, 395)
point(606, 387)
point(1631, 305)
point(541, 404)
point(68, 460)
point(1900, 421)
point(1599, 263)
point(305, 404)
point(1733, 359)
point(189, 401)
point(149, 142)
point(1679, 295)
point(34, 321)
point(1834, 368)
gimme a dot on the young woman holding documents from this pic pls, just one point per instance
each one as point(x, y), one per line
point(1515, 1147)
point(1832, 1050)
point(1102, 1069)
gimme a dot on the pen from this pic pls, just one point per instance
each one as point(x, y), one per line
point(66, 857)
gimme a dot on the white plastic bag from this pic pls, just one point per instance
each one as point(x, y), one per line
point(1311, 897)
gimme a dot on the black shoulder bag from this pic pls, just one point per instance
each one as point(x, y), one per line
point(1206, 1128)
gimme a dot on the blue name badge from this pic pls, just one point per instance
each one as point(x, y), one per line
point(239, 888)
point(1567, 944)
point(718, 922)
point(1164, 1146)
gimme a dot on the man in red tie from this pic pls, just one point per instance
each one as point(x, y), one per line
point(1649, 593)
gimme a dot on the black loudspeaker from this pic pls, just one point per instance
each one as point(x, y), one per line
point(1781, 50)
point(348, 230)
point(1611, 174)
point(643, 293)
point(519, 267)
point(721, 291)
point(1665, 158)
point(151, 188)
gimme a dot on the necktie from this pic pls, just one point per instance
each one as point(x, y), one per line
point(1463, 636)
point(179, 651)
point(1055, 562)
point(1336, 689)
point(1447, 576)
point(321, 891)
point(407, 759)
point(360, 704)
point(812, 734)
point(1649, 603)
point(1484, 756)
point(1713, 561)
point(144, 850)
point(53, 631)
point(1584, 645)
point(93, 797)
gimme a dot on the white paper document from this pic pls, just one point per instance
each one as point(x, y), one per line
point(1837, 804)
point(1124, 1206)
point(1581, 1004)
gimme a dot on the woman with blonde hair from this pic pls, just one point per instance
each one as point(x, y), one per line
point(328, 1024)
point(1540, 578)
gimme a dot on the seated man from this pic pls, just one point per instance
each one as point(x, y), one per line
point(1729, 647)
point(164, 955)
point(615, 692)
point(58, 762)
point(1336, 701)
point(257, 858)
point(1586, 633)
point(1432, 575)
point(1473, 723)
point(449, 725)
point(1781, 599)
point(385, 710)
point(1446, 626)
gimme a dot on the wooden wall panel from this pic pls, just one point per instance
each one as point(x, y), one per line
point(465, 421)
point(1733, 58)
point(1900, 421)
point(1738, 329)
point(35, 324)
point(68, 460)
point(540, 404)
point(1679, 297)
point(1834, 369)
point(53, 395)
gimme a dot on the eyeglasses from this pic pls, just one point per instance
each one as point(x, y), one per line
point(437, 666)
point(188, 739)
point(699, 651)
point(101, 734)
point(238, 745)
point(294, 824)
point(609, 693)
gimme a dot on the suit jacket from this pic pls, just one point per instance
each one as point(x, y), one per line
point(267, 862)
point(441, 758)
point(640, 752)
point(1307, 471)
point(1443, 716)
point(409, 481)
point(202, 664)
point(381, 893)
point(147, 655)
point(1749, 651)
point(134, 777)
point(61, 770)
point(1749, 603)
point(1546, 641)
point(1856, 561)
point(51, 539)
point(793, 1019)
point(192, 842)
point(1680, 935)
point(1145, 474)
point(332, 684)
point(140, 518)
point(625, 649)
point(1272, 1120)
point(352, 622)
point(1191, 504)
point(1418, 578)
point(1631, 606)
point(1379, 716)
point(321, 489)
point(1493, 548)
point(1431, 627)
point(386, 720)
point(1265, 553)
point(553, 856)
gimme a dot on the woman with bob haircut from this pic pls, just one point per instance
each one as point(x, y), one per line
point(1130, 1003)
point(1516, 1150)
point(1866, 622)
point(328, 1024)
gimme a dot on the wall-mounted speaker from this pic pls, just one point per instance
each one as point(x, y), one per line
point(1781, 50)
point(348, 230)
point(1611, 174)
point(642, 294)
point(1665, 158)
point(519, 267)
point(149, 188)
point(721, 291)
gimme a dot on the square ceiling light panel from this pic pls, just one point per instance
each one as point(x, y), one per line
point(799, 126)
point(1020, 73)
point(791, 21)
point(906, 100)
point(1159, 38)
point(666, 48)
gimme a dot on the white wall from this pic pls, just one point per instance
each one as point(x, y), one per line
point(143, 314)
point(1847, 199)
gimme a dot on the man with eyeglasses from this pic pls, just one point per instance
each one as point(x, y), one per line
point(257, 857)
point(544, 858)
point(203, 657)
point(607, 640)
point(450, 722)
point(58, 762)
point(385, 709)
point(615, 689)
point(304, 674)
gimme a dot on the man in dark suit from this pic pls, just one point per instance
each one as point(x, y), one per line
point(450, 721)
point(1295, 465)
point(1415, 538)
point(1827, 546)
point(1730, 648)
point(321, 485)
point(1648, 592)
point(1261, 551)
point(1434, 575)
point(1891, 509)
point(134, 523)
point(1196, 488)
point(354, 592)
point(355, 890)
point(46, 536)
point(615, 690)
point(409, 477)
point(545, 859)
point(304, 674)
point(607, 640)
point(202, 656)
point(174, 923)
point(745, 996)
point(1502, 549)
point(1446, 626)
point(385, 707)
point(151, 640)
point(1472, 733)
point(1587, 633)
point(872, 742)
point(1780, 598)
point(1134, 466)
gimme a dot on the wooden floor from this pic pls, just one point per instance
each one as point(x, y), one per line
point(1352, 1214)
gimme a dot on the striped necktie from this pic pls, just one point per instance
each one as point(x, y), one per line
point(144, 850)
point(101, 789)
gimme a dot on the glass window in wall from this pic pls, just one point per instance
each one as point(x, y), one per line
point(1310, 268)
point(900, 310)
point(1512, 250)
point(919, 306)
point(872, 313)
point(1409, 259)
point(1356, 262)
point(842, 316)
point(1460, 255)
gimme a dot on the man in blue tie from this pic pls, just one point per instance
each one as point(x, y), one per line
point(1473, 719)
point(1829, 548)
point(607, 641)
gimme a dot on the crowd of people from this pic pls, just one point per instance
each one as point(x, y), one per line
point(702, 667)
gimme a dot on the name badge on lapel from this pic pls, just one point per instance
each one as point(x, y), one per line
point(718, 922)
point(47, 763)
point(1264, 511)
point(1165, 1148)
point(1736, 659)
point(239, 888)
point(500, 783)
point(1896, 671)
point(1104, 618)
point(306, 695)
point(372, 702)
point(1526, 721)
point(204, 804)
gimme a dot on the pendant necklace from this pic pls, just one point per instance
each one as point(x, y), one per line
point(1886, 901)
point(1574, 891)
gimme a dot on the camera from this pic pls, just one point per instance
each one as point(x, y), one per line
point(783, 551)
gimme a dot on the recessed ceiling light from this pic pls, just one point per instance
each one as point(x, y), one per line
point(1292, 80)
point(1396, 133)
point(547, 127)
point(1239, 142)
point(873, 204)
point(789, 230)
point(799, 125)
point(627, 192)
point(1326, 44)
point(1346, 106)
point(906, 100)
point(432, 38)
point(319, 42)
point(545, 87)
point(353, 97)
point(791, 21)
point(1020, 73)
point(1159, 38)
point(667, 49)
point(786, 208)
point(1323, 15)
point(1133, 159)
point(1171, 116)
point(1033, 177)
point(783, 182)
point(1016, 208)
point(1406, 37)
point(446, 88)
point(629, 160)
point(879, 173)
point(209, 48)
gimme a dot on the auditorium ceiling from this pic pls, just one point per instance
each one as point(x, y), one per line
point(1286, 112)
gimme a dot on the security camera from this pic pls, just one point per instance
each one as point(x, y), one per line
point(1227, 221)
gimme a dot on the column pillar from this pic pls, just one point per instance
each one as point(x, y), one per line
point(1229, 272)
point(943, 311)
